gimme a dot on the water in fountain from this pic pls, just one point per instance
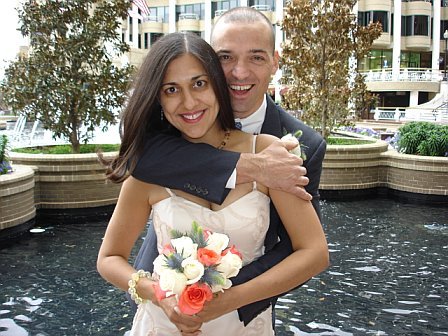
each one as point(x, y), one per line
point(388, 276)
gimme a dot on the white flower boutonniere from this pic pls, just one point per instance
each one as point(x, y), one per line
point(298, 151)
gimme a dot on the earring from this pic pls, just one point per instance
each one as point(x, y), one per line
point(161, 114)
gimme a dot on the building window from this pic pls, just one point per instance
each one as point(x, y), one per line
point(410, 60)
point(443, 27)
point(378, 59)
point(154, 37)
point(264, 3)
point(146, 40)
point(364, 18)
point(160, 12)
point(381, 17)
point(415, 25)
point(197, 9)
point(227, 4)
point(421, 25)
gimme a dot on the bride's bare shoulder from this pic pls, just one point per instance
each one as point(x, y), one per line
point(264, 140)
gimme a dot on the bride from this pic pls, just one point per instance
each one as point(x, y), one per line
point(181, 88)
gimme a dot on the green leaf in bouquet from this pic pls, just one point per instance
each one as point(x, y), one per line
point(212, 277)
point(196, 234)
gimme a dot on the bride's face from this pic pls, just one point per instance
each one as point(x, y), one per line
point(187, 97)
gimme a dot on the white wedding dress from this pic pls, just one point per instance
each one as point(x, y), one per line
point(245, 221)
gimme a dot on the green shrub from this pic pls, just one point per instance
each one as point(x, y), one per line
point(67, 149)
point(423, 138)
point(5, 166)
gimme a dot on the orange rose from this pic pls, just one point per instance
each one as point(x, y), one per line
point(208, 257)
point(232, 249)
point(193, 298)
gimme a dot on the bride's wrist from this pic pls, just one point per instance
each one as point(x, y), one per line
point(146, 290)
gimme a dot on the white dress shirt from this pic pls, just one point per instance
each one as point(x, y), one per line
point(251, 124)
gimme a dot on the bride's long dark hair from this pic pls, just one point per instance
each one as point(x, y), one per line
point(142, 115)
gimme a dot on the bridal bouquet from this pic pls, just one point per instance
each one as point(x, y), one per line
point(297, 150)
point(195, 265)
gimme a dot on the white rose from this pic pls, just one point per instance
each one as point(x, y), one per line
point(230, 265)
point(184, 246)
point(217, 242)
point(220, 288)
point(296, 151)
point(172, 281)
point(193, 270)
point(160, 264)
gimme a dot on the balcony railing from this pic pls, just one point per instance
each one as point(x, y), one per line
point(188, 16)
point(153, 18)
point(262, 8)
point(405, 75)
point(220, 12)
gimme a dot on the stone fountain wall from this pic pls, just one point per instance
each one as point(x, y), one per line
point(78, 181)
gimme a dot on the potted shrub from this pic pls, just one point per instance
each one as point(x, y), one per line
point(5, 166)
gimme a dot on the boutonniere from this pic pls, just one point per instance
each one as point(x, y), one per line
point(299, 150)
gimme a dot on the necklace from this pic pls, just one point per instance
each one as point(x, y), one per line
point(224, 141)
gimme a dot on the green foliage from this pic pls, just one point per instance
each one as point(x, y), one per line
point(5, 166)
point(69, 81)
point(323, 38)
point(66, 149)
point(346, 141)
point(423, 138)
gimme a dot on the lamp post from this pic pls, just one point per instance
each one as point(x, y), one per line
point(445, 36)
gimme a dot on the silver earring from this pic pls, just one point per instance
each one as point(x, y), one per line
point(161, 114)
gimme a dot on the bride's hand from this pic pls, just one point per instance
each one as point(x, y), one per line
point(187, 325)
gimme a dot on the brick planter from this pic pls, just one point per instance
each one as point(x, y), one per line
point(416, 174)
point(352, 166)
point(69, 181)
point(364, 169)
point(17, 208)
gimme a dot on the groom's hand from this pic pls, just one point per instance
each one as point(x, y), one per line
point(222, 303)
point(187, 325)
point(275, 168)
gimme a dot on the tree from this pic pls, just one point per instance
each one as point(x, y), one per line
point(322, 40)
point(69, 81)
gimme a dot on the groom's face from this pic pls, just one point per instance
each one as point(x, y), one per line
point(246, 52)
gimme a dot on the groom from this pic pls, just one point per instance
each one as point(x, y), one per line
point(244, 41)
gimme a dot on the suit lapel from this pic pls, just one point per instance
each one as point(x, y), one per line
point(271, 124)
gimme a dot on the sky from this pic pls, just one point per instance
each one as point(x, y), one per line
point(10, 38)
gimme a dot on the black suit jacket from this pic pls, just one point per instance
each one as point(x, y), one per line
point(206, 174)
